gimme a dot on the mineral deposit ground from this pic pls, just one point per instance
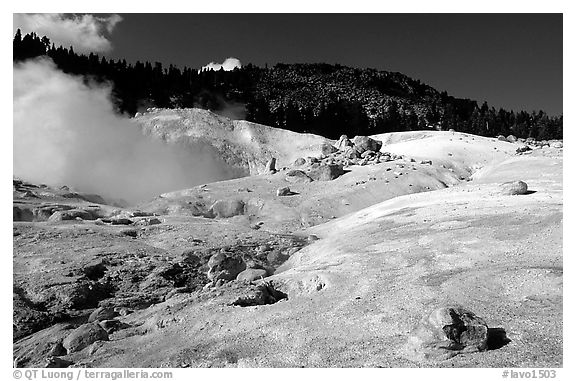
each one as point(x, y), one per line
point(409, 249)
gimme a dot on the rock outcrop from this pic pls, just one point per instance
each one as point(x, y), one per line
point(514, 188)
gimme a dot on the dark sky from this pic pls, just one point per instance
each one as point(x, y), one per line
point(510, 60)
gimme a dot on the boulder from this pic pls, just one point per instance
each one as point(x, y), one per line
point(297, 176)
point(501, 138)
point(384, 158)
point(57, 362)
point(328, 149)
point(364, 143)
point(119, 221)
point(351, 153)
point(58, 349)
point(511, 138)
point(102, 313)
point(95, 269)
point(148, 221)
point(226, 208)
point(139, 213)
point(447, 332)
point(514, 188)
point(43, 213)
point(113, 325)
point(72, 214)
point(222, 266)
point(284, 191)
point(250, 275)
point(523, 149)
point(83, 336)
point(368, 153)
point(557, 145)
point(190, 258)
point(343, 143)
point(271, 166)
point(260, 294)
point(326, 172)
point(300, 162)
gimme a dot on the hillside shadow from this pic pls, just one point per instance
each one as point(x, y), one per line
point(497, 338)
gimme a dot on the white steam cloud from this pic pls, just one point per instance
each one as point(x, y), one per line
point(66, 133)
point(228, 65)
point(86, 33)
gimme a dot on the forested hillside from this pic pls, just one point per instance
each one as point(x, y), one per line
point(324, 99)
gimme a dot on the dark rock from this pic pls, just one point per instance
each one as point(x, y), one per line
point(296, 175)
point(222, 266)
point(522, 149)
point(79, 295)
point(29, 194)
point(190, 257)
point(300, 161)
point(113, 325)
point(72, 214)
point(148, 221)
point(326, 172)
point(129, 232)
point(94, 270)
point(86, 197)
point(449, 331)
point(284, 191)
point(328, 149)
point(139, 213)
point(58, 349)
point(102, 313)
point(364, 143)
point(56, 362)
point(42, 213)
point(83, 336)
point(271, 166)
point(260, 294)
point(250, 275)
point(226, 208)
point(120, 221)
point(514, 188)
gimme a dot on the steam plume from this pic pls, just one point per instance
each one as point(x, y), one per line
point(66, 132)
point(228, 64)
point(86, 33)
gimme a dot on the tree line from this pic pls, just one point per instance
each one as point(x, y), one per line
point(328, 100)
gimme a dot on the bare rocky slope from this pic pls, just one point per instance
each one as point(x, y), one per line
point(243, 145)
point(408, 256)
